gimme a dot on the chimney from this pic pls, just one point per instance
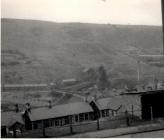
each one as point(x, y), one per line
point(16, 108)
point(85, 99)
point(28, 107)
point(49, 104)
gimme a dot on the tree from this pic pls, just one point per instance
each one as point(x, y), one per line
point(103, 82)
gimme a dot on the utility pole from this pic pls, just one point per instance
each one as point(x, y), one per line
point(138, 71)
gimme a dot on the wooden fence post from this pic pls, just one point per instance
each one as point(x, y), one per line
point(14, 131)
point(32, 126)
point(71, 128)
point(98, 124)
point(127, 118)
point(43, 129)
point(151, 113)
point(132, 111)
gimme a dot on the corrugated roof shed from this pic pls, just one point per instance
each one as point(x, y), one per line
point(115, 102)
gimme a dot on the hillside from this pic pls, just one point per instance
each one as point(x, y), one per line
point(39, 51)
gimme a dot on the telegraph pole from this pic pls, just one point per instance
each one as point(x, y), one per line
point(138, 71)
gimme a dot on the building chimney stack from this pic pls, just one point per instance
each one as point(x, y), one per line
point(85, 99)
point(28, 107)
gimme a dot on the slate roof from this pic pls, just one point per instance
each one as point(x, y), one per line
point(59, 111)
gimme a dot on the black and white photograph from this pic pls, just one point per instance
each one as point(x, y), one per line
point(82, 69)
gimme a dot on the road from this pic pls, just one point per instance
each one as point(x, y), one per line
point(153, 134)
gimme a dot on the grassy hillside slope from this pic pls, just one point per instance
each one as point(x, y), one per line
point(39, 52)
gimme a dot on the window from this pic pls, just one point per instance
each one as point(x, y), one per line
point(46, 123)
point(61, 121)
point(66, 120)
point(112, 113)
point(103, 113)
point(107, 112)
point(35, 126)
point(56, 122)
point(91, 116)
point(76, 118)
point(81, 116)
point(51, 122)
point(39, 123)
point(86, 116)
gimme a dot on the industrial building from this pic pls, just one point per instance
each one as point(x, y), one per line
point(151, 103)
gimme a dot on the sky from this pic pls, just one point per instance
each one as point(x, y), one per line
point(138, 12)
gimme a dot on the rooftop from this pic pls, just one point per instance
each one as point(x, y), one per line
point(59, 111)
point(10, 118)
point(43, 113)
point(144, 92)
